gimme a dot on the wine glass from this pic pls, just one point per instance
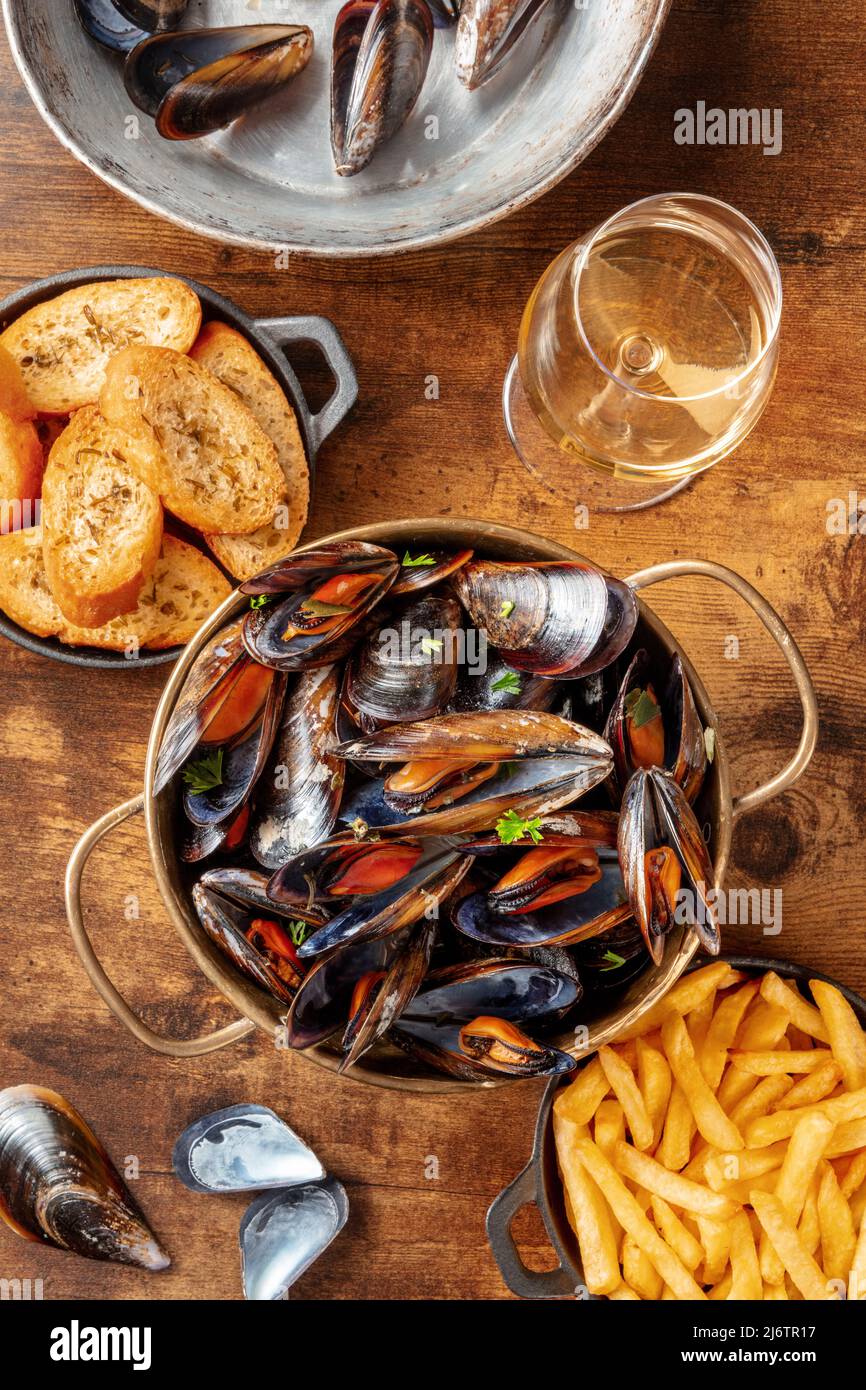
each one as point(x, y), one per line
point(647, 352)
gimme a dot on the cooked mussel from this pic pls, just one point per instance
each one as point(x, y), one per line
point(428, 568)
point(330, 590)
point(200, 80)
point(664, 857)
point(498, 1045)
point(298, 794)
point(407, 670)
point(154, 16)
point(562, 618)
point(103, 21)
point(649, 729)
point(219, 781)
point(248, 888)
point(380, 60)
point(323, 1004)
point(199, 842)
point(531, 906)
point(500, 686)
point(610, 961)
point(58, 1185)
point(487, 33)
point(380, 997)
point(264, 948)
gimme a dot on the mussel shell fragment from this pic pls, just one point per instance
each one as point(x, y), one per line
point(655, 814)
point(388, 68)
point(381, 1005)
point(243, 1148)
point(407, 670)
point(428, 568)
point(487, 33)
point(154, 16)
point(58, 1185)
point(298, 794)
point(556, 618)
point(242, 765)
point(102, 20)
point(282, 1234)
point(229, 926)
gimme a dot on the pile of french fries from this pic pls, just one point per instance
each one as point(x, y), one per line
point(718, 1149)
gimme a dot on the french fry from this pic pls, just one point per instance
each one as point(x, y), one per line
point(716, 1240)
point(768, 1063)
point(806, 1017)
point(655, 1082)
point(814, 1087)
point(722, 1032)
point(710, 1118)
point(808, 1143)
point(847, 1039)
point(579, 1101)
point(623, 1293)
point(686, 995)
point(677, 1190)
point(589, 1211)
point(746, 1272)
point(809, 1228)
point(855, 1175)
point(698, 1021)
point(805, 1273)
point(628, 1213)
point(625, 1088)
point(724, 1170)
point(766, 1096)
point(775, 1291)
point(847, 1138)
point(677, 1235)
point(780, 1125)
point(838, 1237)
point(719, 1292)
point(676, 1141)
point(857, 1272)
point(609, 1125)
point(638, 1271)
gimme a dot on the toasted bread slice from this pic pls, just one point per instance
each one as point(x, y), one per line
point(218, 470)
point(63, 346)
point(101, 525)
point(21, 466)
point(14, 399)
point(183, 591)
point(227, 354)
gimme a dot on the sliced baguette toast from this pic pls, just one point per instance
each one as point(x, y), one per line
point(184, 589)
point(62, 347)
point(227, 354)
point(218, 470)
point(101, 525)
point(21, 466)
point(14, 399)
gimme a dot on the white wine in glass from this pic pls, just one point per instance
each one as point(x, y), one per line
point(648, 351)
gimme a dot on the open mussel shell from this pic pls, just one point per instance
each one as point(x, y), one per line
point(154, 16)
point(199, 81)
point(428, 568)
point(198, 842)
point(298, 794)
point(597, 829)
point(322, 1005)
point(555, 618)
point(58, 1185)
point(377, 77)
point(522, 994)
point(282, 1234)
point(233, 930)
point(242, 765)
point(330, 592)
point(248, 888)
point(499, 1046)
point(652, 726)
point(243, 1148)
point(379, 1001)
point(102, 20)
point(590, 913)
point(657, 821)
point(211, 680)
point(487, 33)
point(522, 761)
point(610, 961)
point(407, 670)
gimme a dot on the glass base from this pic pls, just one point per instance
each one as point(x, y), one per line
point(569, 478)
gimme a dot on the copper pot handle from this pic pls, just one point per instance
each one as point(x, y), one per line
point(672, 569)
point(171, 1047)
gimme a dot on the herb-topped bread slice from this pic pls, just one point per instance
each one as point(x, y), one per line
point(62, 347)
point(217, 469)
point(227, 354)
point(21, 464)
point(101, 525)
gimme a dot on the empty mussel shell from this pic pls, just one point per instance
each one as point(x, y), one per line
point(155, 16)
point(199, 81)
point(243, 1148)
point(427, 568)
point(283, 1233)
point(58, 1185)
point(103, 21)
point(380, 58)
point(487, 33)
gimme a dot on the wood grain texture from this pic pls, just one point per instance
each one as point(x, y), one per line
point(72, 742)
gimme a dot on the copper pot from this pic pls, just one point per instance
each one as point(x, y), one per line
point(384, 1065)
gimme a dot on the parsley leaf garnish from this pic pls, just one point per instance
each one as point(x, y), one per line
point(509, 683)
point(417, 563)
point(507, 609)
point(298, 931)
point(207, 773)
point(430, 645)
point(641, 708)
point(511, 827)
point(260, 600)
point(317, 609)
point(614, 960)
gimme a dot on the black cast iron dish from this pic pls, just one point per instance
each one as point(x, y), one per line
point(270, 337)
point(540, 1181)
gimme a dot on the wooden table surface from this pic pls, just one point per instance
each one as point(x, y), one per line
point(73, 741)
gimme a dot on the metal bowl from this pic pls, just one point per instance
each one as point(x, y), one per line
point(385, 1065)
point(269, 180)
point(270, 337)
point(541, 1184)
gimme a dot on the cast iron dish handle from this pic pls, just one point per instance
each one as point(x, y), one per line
point(311, 328)
point(525, 1282)
point(171, 1047)
point(672, 569)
